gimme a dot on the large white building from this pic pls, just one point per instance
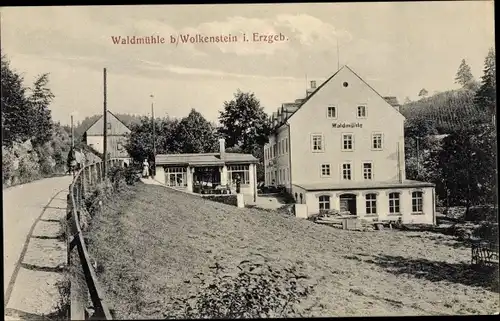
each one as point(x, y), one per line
point(342, 147)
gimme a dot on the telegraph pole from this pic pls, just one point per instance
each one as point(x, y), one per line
point(72, 134)
point(105, 128)
point(418, 160)
point(154, 134)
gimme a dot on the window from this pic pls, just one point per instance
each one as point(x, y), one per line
point(367, 171)
point(108, 126)
point(243, 171)
point(394, 203)
point(377, 141)
point(324, 202)
point(317, 142)
point(347, 141)
point(361, 111)
point(417, 202)
point(371, 203)
point(325, 170)
point(176, 176)
point(119, 146)
point(331, 112)
point(346, 171)
point(275, 149)
point(286, 145)
point(282, 147)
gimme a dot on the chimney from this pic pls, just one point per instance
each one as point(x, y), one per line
point(313, 84)
point(222, 148)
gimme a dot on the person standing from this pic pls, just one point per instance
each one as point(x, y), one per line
point(145, 168)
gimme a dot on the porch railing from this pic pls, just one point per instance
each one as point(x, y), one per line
point(89, 175)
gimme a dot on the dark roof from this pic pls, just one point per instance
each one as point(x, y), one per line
point(205, 159)
point(95, 121)
point(363, 185)
point(393, 101)
point(305, 100)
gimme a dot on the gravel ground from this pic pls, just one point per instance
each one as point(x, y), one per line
point(151, 242)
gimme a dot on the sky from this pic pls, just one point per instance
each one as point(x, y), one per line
point(398, 48)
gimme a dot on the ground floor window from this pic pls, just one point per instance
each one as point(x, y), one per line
point(176, 176)
point(243, 171)
point(394, 203)
point(371, 203)
point(324, 202)
point(417, 202)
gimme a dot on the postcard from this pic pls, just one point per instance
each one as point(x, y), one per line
point(249, 160)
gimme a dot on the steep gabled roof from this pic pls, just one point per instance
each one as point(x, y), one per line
point(305, 100)
point(99, 118)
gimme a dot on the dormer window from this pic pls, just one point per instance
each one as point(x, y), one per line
point(361, 111)
point(332, 112)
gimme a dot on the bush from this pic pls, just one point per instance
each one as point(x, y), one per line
point(487, 231)
point(225, 199)
point(120, 175)
point(288, 197)
point(482, 213)
point(257, 291)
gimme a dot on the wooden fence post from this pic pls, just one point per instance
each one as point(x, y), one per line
point(89, 173)
point(82, 180)
point(94, 173)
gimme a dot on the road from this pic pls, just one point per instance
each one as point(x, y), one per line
point(32, 251)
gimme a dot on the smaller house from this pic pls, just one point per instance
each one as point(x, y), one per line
point(116, 137)
point(208, 173)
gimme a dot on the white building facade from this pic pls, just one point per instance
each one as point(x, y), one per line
point(342, 147)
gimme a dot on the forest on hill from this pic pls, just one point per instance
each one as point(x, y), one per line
point(462, 160)
point(446, 111)
point(452, 110)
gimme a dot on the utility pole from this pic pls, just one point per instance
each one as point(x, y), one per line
point(105, 128)
point(154, 134)
point(418, 160)
point(72, 134)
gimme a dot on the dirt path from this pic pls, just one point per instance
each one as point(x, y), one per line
point(33, 254)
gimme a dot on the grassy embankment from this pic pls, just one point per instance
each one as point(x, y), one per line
point(155, 246)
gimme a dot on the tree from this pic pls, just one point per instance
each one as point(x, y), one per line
point(140, 139)
point(16, 111)
point(244, 122)
point(485, 97)
point(245, 125)
point(407, 100)
point(196, 135)
point(464, 74)
point(40, 99)
point(423, 93)
point(468, 166)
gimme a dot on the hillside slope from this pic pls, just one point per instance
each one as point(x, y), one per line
point(154, 245)
point(448, 110)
